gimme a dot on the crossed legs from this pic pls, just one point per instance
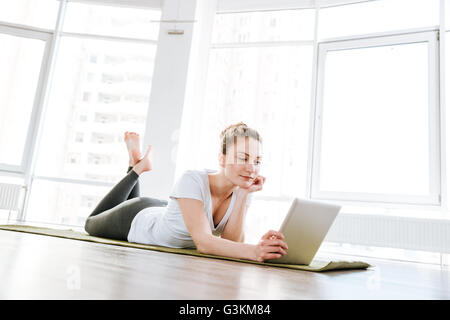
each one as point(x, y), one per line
point(113, 215)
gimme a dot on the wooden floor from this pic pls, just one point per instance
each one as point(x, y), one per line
point(43, 267)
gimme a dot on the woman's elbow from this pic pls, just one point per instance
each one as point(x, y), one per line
point(203, 244)
point(202, 249)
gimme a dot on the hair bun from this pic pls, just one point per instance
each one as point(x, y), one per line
point(232, 128)
point(229, 134)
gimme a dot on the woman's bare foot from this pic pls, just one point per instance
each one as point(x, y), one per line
point(133, 145)
point(144, 164)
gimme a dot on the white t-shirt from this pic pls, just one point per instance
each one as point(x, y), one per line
point(164, 226)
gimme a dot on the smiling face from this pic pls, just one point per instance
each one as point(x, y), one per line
point(242, 162)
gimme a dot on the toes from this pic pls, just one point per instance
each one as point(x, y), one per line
point(130, 134)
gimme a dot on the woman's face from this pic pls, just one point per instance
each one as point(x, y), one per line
point(242, 161)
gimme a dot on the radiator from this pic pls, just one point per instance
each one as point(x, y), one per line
point(409, 233)
point(10, 196)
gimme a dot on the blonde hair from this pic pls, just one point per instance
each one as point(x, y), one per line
point(229, 135)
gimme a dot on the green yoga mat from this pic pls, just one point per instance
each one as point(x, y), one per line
point(316, 265)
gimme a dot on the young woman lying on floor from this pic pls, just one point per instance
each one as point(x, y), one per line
point(206, 209)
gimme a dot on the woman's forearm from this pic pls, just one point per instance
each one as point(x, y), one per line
point(224, 247)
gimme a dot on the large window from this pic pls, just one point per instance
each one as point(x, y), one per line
point(25, 42)
point(21, 64)
point(268, 88)
point(98, 88)
point(377, 125)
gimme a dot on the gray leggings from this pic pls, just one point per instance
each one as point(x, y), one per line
point(113, 215)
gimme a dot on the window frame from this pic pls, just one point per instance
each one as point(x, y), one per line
point(431, 37)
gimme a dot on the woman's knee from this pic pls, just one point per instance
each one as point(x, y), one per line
point(86, 226)
point(90, 227)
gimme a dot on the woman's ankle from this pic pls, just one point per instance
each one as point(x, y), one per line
point(137, 170)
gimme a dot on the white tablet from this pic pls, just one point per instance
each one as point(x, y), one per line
point(304, 228)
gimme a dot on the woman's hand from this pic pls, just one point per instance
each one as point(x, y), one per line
point(257, 185)
point(271, 246)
